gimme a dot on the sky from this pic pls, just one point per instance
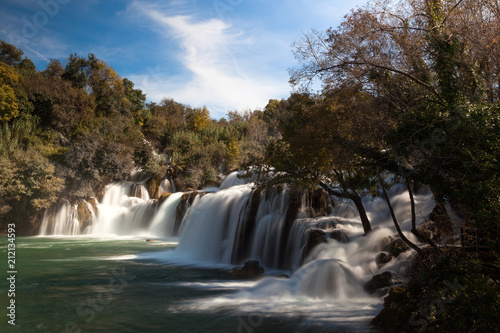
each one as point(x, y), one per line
point(228, 55)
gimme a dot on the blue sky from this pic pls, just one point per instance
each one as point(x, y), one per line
point(225, 54)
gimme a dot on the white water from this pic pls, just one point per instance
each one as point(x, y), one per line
point(163, 222)
point(65, 221)
point(218, 230)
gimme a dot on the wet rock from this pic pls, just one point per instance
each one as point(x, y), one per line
point(339, 236)
point(163, 197)
point(93, 202)
point(394, 245)
point(378, 281)
point(250, 269)
point(380, 284)
point(383, 258)
point(314, 238)
point(153, 186)
point(396, 313)
point(85, 215)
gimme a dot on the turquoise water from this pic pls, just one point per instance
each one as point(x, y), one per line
point(122, 285)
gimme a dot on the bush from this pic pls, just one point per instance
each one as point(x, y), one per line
point(451, 293)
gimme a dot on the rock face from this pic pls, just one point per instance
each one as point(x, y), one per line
point(85, 215)
point(339, 236)
point(314, 238)
point(153, 186)
point(380, 283)
point(250, 269)
point(394, 317)
point(394, 245)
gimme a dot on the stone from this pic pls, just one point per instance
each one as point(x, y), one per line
point(396, 313)
point(378, 281)
point(394, 245)
point(339, 236)
point(383, 258)
point(250, 269)
point(314, 238)
point(163, 197)
point(85, 215)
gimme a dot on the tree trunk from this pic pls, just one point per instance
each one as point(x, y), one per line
point(362, 213)
point(344, 194)
point(396, 224)
point(414, 220)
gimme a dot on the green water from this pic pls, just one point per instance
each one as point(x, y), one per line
point(93, 285)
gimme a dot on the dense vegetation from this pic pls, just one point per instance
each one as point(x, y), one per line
point(410, 89)
point(67, 131)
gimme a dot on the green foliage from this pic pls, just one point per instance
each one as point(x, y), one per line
point(198, 119)
point(9, 54)
point(454, 295)
point(8, 103)
point(67, 131)
point(28, 181)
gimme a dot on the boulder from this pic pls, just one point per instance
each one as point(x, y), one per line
point(163, 198)
point(85, 215)
point(250, 269)
point(314, 238)
point(396, 313)
point(378, 281)
point(383, 258)
point(339, 236)
point(394, 245)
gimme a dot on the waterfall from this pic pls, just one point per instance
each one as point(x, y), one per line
point(62, 220)
point(163, 223)
point(210, 231)
point(167, 186)
point(235, 223)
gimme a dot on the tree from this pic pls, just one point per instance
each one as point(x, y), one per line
point(197, 119)
point(77, 72)
point(425, 64)
point(328, 141)
point(9, 54)
point(54, 69)
point(9, 79)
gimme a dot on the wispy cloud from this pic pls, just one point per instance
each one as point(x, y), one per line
point(222, 62)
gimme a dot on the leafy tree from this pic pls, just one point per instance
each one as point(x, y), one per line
point(328, 141)
point(54, 69)
point(28, 181)
point(77, 72)
point(9, 107)
point(429, 73)
point(197, 119)
point(9, 54)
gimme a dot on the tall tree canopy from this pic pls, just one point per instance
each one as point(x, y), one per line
point(431, 68)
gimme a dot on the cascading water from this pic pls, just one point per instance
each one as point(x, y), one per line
point(163, 224)
point(64, 221)
point(230, 225)
point(322, 249)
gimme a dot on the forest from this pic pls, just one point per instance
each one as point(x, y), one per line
point(409, 91)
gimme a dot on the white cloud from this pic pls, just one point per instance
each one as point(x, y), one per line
point(222, 65)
